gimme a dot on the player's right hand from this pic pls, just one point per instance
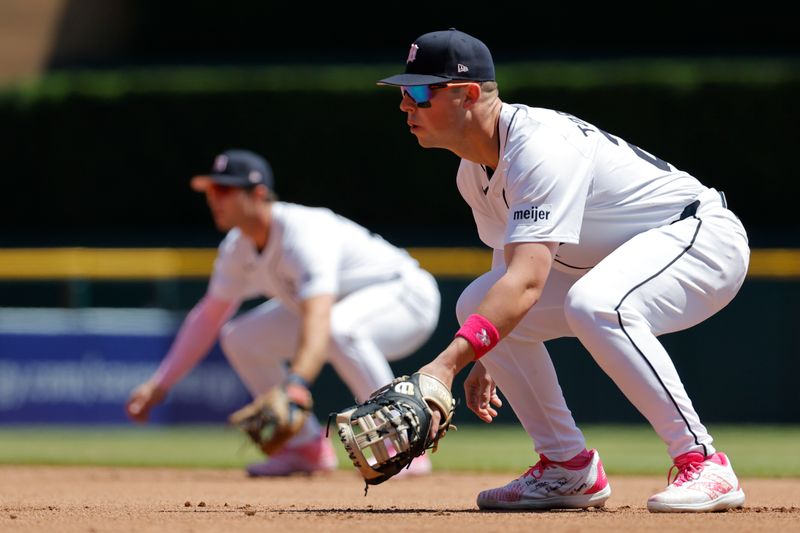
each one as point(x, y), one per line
point(142, 400)
point(481, 393)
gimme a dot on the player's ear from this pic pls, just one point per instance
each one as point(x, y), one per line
point(472, 93)
point(261, 192)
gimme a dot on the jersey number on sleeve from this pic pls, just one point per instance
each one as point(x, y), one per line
point(653, 160)
point(587, 128)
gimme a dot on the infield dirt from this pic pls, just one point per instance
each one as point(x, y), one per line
point(38, 498)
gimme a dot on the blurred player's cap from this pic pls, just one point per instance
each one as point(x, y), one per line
point(442, 56)
point(236, 168)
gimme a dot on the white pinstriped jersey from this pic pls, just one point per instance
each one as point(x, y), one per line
point(560, 179)
point(310, 251)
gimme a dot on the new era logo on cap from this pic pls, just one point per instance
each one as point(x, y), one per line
point(442, 56)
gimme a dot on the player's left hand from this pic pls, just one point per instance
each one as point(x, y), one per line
point(298, 394)
point(446, 376)
point(384, 434)
point(481, 393)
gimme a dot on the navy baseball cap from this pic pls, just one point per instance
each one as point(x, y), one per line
point(236, 168)
point(442, 56)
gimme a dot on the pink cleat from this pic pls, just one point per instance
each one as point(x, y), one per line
point(702, 484)
point(578, 483)
point(315, 456)
point(420, 466)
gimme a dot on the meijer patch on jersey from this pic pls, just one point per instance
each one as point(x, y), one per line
point(534, 214)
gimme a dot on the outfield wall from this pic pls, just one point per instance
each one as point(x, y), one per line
point(78, 365)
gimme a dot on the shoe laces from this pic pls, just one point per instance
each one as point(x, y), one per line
point(685, 471)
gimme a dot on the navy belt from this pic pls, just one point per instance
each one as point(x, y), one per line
point(691, 209)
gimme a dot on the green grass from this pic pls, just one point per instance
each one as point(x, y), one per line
point(685, 74)
point(181, 446)
point(769, 451)
point(766, 451)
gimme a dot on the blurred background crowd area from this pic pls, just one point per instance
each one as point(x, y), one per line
point(107, 108)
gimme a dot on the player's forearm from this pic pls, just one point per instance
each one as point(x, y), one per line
point(509, 299)
point(504, 305)
point(451, 361)
point(310, 358)
point(194, 339)
point(314, 338)
point(513, 295)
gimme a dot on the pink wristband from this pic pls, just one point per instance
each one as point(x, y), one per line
point(480, 334)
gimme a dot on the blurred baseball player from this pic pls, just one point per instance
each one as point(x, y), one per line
point(339, 294)
point(593, 238)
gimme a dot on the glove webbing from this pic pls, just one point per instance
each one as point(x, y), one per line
point(400, 421)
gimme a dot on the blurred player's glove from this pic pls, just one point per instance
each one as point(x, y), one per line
point(393, 426)
point(272, 419)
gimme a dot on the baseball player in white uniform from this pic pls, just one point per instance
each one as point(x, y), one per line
point(593, 238)
point(338, 294)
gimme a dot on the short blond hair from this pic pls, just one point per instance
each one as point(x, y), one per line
point(489, 88)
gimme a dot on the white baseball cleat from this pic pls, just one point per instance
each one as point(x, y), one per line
point(315, 456)
point(702, 484)
point(575, 484)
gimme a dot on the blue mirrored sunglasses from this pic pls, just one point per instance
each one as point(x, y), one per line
point(421, 94)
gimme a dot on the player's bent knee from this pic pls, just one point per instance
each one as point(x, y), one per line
point(344, 328)
point(229, 341)
point(469, 300)
point(586, 305)
point(463, 308)
point(345, 336)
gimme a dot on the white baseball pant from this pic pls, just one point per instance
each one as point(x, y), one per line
point(374, 325)
point(663, 280)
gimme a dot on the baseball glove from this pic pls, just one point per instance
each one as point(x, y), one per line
point(271, 419)
point(384, 434)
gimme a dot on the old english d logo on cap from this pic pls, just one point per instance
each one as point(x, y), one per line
point(412, 53)
point(220, 163)
point(237, 168)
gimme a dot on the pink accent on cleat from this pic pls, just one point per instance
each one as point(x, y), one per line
point(578, 462)
point(601, 483)
point(701, 484)
point(315, 456)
